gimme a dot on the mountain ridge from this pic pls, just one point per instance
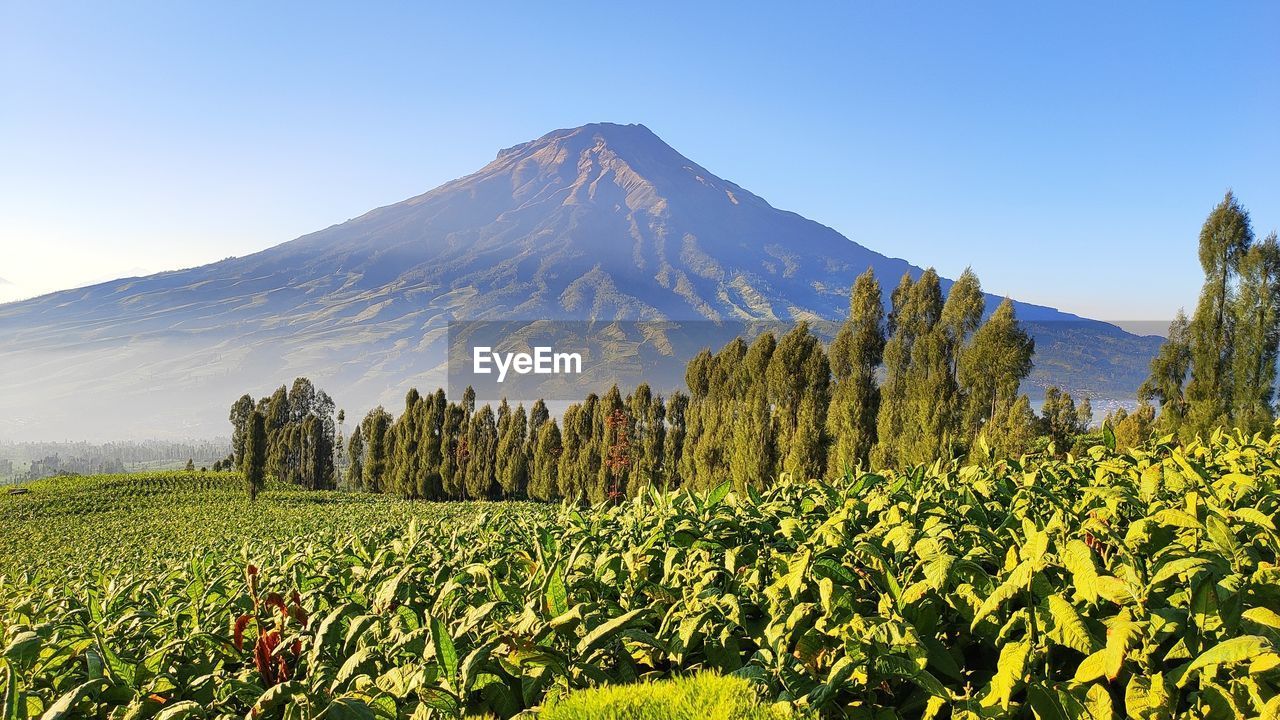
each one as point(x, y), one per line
point(601, 221)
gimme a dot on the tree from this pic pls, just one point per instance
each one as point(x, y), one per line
point(1168, 376)
point(543, 485)
point(408, 434)
point(754, 453)
point(482, 444)
point(375, 428)
point(453, 450)
point(239, 417)
point(799, 377)
point(254, 464)
point(929, 384)
point(856, 352)
point(574, 433)
point(1256, 323)
point(513, 467)
point(891, 416)
point(431, 445)
point(1132, 429)
point(355, 451)
point(673, 443)
point(615, 448)
point(1224, 240)
point(1061, 420)
point(190, 466)
point(992, 369)
point(647, 439)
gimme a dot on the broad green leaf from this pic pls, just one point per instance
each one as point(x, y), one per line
point(445, 652)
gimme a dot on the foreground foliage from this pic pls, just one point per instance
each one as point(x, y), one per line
point(1140, 585)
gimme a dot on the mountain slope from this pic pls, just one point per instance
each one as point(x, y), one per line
point(598, 222)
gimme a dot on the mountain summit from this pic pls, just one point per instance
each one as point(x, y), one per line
point(598, 222)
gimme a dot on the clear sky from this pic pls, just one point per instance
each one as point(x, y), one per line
point(1067, 151)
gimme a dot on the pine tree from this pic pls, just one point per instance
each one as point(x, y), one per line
point(754, 453)
point(799, 376)
point(376, 426)
point(543, 485)
point(856, 352)
point(482, 445)
point(431, 446)
point(275, 410)
point(1224, 241)
point(408, 434)
point(568, 484)
point(255, 455)
point(513, 472)
point(453, 451)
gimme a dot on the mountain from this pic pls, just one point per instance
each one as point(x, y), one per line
point(598, 222)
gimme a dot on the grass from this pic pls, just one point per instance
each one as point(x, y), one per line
point(704, 696)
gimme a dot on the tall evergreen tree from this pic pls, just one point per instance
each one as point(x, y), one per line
point(1224, 241)
point(355, 454)
point(856, 352)
point(255, 455)
point(543, 485)
point(673, 443)
point(930, 385)
point(408, 434)
point(992, 369)
point(501, 460)
point(453, 450)
point(799, 378)
point(1256, 337)
point(431, 446)
point(513, 466)
point(891, 416)
point(754, 454)
point(482, 443)
point(376, 426)
point(239, 417)
point(610, 482)
point(576, 433)
point(648, 437)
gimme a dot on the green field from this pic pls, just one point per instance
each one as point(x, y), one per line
point(1142, 585)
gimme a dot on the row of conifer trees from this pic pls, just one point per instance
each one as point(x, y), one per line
point(929, 380)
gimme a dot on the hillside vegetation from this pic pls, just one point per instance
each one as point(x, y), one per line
point(1140, 584)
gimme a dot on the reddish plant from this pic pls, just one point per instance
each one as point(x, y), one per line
point(271, 616)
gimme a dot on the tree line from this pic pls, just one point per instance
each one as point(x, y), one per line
point(933, 378)
point(289, 435)
point(1218, 367)
point(930, 379)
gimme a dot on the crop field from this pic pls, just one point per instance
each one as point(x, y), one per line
point(1139, 585)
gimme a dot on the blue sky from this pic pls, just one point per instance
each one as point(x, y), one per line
point(1067, 151)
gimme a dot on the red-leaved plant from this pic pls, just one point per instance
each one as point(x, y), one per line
point(271, 616)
